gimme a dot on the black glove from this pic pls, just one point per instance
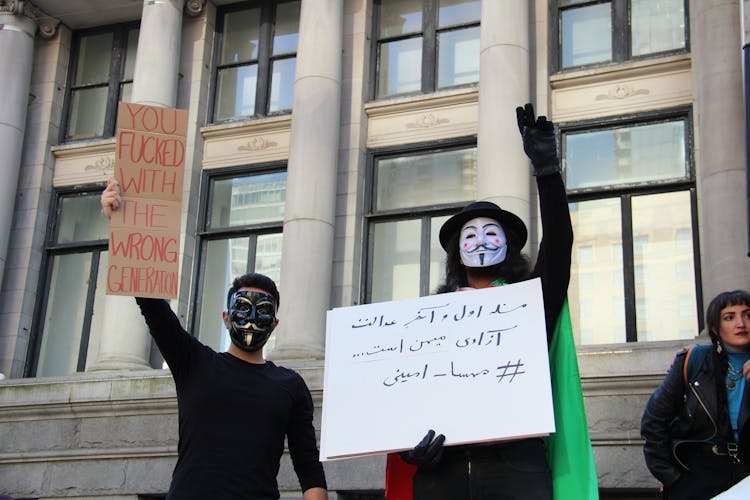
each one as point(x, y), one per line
point(538, 141)
point(427, 453)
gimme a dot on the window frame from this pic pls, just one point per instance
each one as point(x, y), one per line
point(51, 250)
point(626, 191)
point(265, 60)
point(621, 36)
point(423, 213)
point(429, 35)
point(204, 234)
point(116, 74)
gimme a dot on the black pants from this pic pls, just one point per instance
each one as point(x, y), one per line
point(504, 471)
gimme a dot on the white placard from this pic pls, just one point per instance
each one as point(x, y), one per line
point(472, 365)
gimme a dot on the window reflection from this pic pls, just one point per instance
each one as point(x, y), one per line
point(395, 269)
point(426, 179)
point(663, 286)
point(586, 35)
point(596, 306)
point(63, 321)
point(247, 200)
point(458, 57)
point(657, 26)
point(623, 155)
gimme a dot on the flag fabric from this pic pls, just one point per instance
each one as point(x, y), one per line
point(569, 449)
point(399, 478)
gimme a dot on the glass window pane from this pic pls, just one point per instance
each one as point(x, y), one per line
point(240, 36)
point(235, 95)
point(400, 67)
point(398, 17)
point(223, 261)
point(625, 155)
point(282, 84)
point(81, 220)
point(427, 179)
point(586, 35)
point(63, 320)
point(99, 319)
point(94, 57)
point(437, 254)
point(126, 92)
point(657, 26)
point(597, 306)
point(88, 108)
point(395, 260)
point(248, 200)
point(452, 12)
point(130, 51)
point(268, 262)
point(286, 29)
point(663, 290)
point(458, 57)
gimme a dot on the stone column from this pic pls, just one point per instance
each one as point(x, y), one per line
point(503, 171)
point(306, 262)
point(16, 56)
point(125, 343)
point(716, 34)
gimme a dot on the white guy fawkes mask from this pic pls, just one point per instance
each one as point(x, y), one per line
point(482, 243)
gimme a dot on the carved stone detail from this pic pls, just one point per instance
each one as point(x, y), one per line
point(194, 8)
point(47, 25)
point(257, 144)
point(427, 120)
point(622, 91)
point(102, 164)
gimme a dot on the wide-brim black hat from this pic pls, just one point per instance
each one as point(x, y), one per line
point(515, 229)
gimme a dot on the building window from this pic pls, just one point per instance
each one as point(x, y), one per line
point(101, 75)
point(425, 45)
point(256, 59)
point(73, 274)
point(598, 32)
point(241, 226)
point(413, 193)
point(632, 189)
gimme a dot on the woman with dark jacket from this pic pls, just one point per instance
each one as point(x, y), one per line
point(696, 425)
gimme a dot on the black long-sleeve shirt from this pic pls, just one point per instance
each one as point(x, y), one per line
point(233, 417)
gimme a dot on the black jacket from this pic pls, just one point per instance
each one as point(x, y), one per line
point(681, 425)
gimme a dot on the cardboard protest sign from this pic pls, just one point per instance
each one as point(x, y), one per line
point(145, 231)
point(472, 365)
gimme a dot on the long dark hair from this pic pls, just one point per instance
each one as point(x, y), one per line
point(721, 358)
point(514, 268)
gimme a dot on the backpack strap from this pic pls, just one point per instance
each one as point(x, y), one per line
point(693, 361)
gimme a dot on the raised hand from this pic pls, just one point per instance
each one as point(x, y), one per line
point(428, 451)
point(539, 142)
point(110, 198)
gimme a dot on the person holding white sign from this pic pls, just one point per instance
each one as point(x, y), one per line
point(483, 243)
point(235, 408)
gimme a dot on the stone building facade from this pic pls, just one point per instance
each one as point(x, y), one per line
point(327, 141)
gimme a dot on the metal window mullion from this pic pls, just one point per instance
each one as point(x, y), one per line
point(429, 46)
point(628, 268)
point(262, 89)
point(88, 312)
point(252, 250)
point(115, 73)
point(696, 257)
point(424, 256)
point(620, 30)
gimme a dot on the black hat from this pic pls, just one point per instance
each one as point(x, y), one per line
point(513, 226)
